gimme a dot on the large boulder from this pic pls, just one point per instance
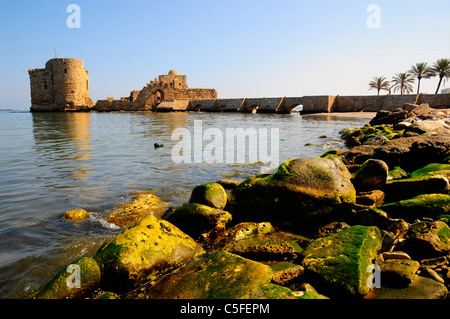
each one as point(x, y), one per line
point(301, 190)
point(143, 252)
point(341, 261)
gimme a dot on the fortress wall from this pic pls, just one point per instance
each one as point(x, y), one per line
point(201, 105)
point(317, 104)
point(435, 100)
point(261, 105)
point(194, 94)
point(230, 105)
point(357, 103)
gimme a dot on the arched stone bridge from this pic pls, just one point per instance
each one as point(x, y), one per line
point(310, 104)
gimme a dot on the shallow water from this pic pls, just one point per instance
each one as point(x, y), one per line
point(53, 162)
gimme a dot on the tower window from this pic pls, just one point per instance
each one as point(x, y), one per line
point(65, 70)
point(45, 86)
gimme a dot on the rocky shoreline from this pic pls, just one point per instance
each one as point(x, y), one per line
point(368, 222)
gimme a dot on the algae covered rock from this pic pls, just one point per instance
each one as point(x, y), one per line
point(433, 178)
point(426, 205)
point(211, 194)
point(77, 280)
point(222, 275)
point(196, 219)
point(341, 261)
point(143, 252)
point(136, 208)
point(76, 215)
point(300, 190)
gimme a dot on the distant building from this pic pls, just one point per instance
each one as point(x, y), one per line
point(167, 92)
point(63, 85)
point(445, 91)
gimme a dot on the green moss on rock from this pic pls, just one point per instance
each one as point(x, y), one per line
point(426, 205)
point(299, 191)
point(211, 194)
point(143, 252)
point(222, 275)
point(341, 260)
point(75, 281)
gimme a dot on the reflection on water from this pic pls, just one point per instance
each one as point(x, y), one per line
point(52, 162)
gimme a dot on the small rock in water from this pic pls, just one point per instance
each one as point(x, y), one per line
point(158, 145)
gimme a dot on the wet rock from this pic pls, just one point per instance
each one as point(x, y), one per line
point(420, 288)
point(211, 194)
point(196, 219)
point(136, 208)
point(434, 262)
point(76, 215)
point(398, 273)
point(431, 179)
point(143, 252)
point(388, 117)
point(77, 280)
point(222, 275)
point(300, 190)
point(426, 205)
point(372, 175)
point(427, 240)
point(341, 260)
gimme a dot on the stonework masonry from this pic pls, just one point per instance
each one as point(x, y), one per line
point(63, 85)
point(166, 93)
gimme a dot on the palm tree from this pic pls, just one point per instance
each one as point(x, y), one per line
point(379, 83)
point(442, 68)
point(421, 71)
point(403, 82)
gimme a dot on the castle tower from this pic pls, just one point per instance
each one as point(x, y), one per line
point(63, 85)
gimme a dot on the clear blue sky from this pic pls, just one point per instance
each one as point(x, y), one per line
point(242, 48)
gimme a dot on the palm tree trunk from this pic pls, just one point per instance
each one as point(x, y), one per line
point(418, 86)
point(439, 85)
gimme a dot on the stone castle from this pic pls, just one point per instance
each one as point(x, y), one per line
point(63, 85)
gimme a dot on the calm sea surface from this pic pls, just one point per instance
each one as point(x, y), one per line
point(53, 162)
